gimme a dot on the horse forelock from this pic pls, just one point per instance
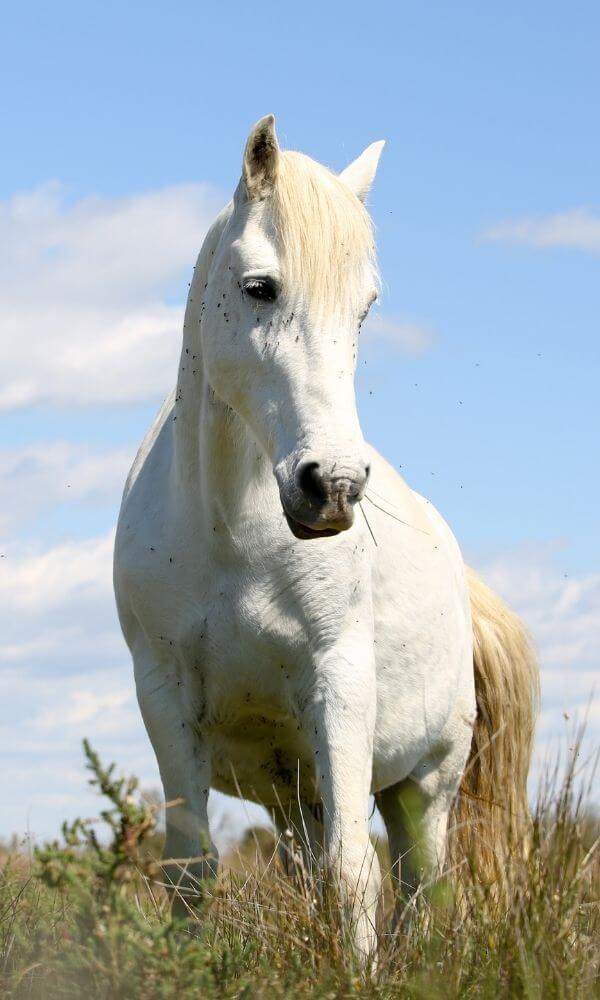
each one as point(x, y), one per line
point(324, 233)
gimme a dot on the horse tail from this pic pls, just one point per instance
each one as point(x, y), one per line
point(491, 812)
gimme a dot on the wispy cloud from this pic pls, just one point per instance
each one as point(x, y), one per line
point(66, 673)
point(86, 317)
point(85, 311)
point(561, 612)
point(35, 478)
point(578, 229)
point(57, 608)
point(399, 335)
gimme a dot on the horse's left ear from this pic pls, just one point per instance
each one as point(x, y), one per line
point(359, 174)
point(261, 158)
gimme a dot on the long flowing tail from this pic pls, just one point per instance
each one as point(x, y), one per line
point(491, 813)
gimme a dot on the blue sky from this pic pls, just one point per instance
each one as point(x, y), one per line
point(123, 128)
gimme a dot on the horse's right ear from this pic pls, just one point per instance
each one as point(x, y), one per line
point(359, 174)
point(261, 158)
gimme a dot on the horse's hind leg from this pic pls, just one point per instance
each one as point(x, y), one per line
point(415, 812)
point(416, 830)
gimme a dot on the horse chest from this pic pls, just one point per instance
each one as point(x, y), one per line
point(231, 651)
point(254, 616)
point(246, 683)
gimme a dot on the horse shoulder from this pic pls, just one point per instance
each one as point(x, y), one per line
point(141, 524)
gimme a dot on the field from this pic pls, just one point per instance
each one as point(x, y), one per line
point(87, 916)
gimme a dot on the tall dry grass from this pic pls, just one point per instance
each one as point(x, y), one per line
point(88, 916)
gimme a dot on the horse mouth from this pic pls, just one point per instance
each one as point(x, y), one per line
point(303, 532)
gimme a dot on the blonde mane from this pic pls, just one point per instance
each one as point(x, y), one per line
point(325, 234)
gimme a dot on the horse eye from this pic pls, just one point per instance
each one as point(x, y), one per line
point(365, 312)
point(261, 289)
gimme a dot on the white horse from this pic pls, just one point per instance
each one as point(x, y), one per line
point(299, 619)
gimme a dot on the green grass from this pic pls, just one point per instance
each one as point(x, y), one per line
point(88, 917)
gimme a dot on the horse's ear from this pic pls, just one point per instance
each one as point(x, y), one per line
point(261, 158)
point(359, 174)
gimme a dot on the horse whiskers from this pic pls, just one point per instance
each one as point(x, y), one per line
point(367, 523)
point(381, 497)
point(393, 516)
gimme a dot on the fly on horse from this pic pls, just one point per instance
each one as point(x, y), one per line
point(303, 629)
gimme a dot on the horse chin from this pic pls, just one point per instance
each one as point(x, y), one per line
point(304, 532)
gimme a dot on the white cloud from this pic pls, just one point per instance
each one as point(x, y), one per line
point(86, 317)
point(84, 292)
point(36, 478)
point(70, 575)
point(562, 611)
point(85, 295)
point(57, 712)
point(65, 674)
point(57, 608)
point(404, 336)
point(563, 615)
point(578, 229)
point(43, 720)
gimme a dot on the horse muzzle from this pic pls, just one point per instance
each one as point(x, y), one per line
point(319, 502)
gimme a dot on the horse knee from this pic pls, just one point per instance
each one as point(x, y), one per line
point(357, 875)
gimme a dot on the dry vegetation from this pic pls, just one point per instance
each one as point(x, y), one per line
point(88, 917)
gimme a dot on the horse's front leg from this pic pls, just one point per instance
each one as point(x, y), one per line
point(170, 717)
point(342, 720)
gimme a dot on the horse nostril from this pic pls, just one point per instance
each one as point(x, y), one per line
point(367, 473)
point(310, 482)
